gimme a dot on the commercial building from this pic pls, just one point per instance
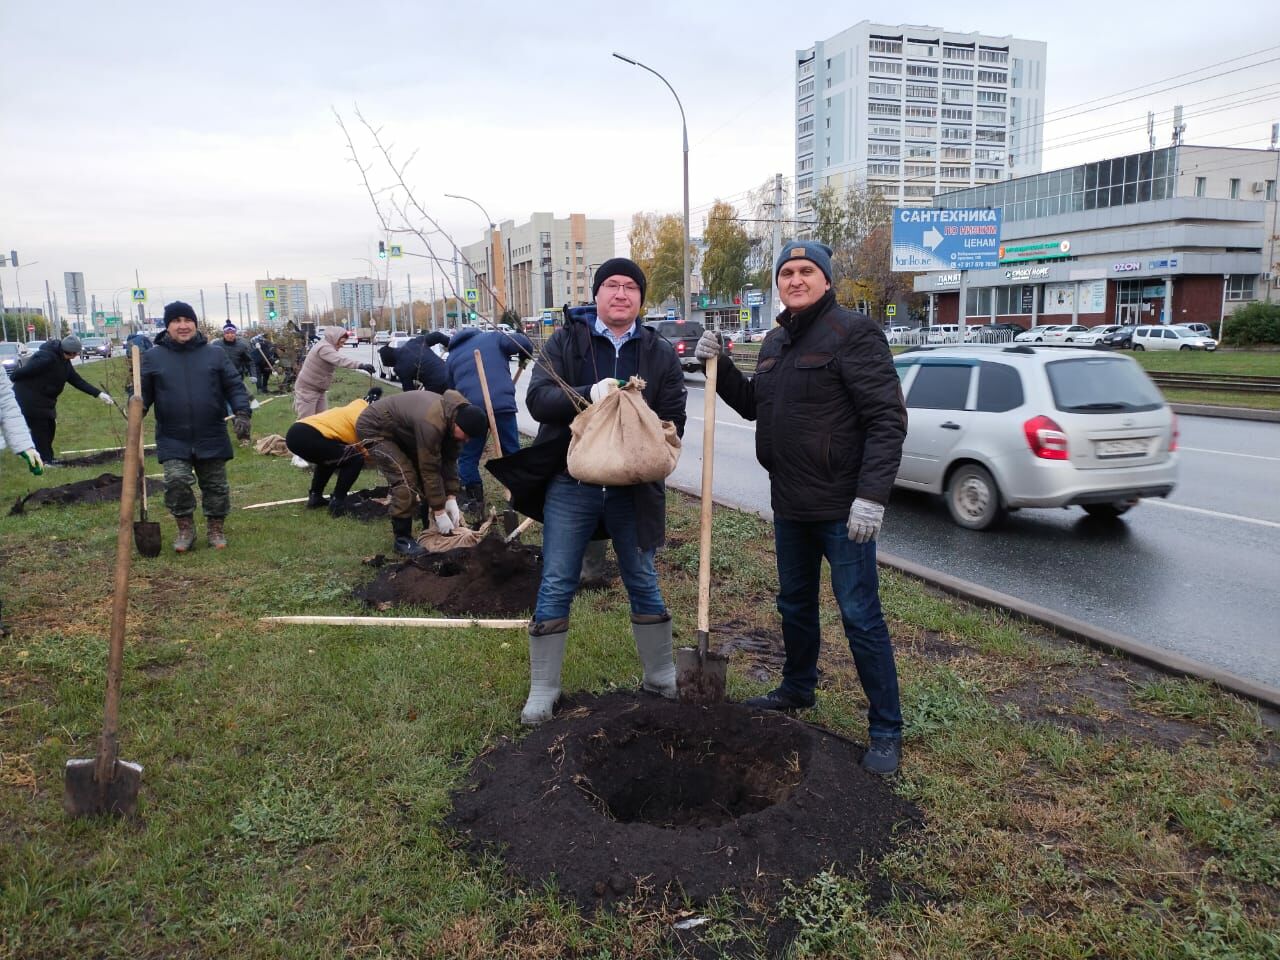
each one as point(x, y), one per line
point(1174, 235)
point(358, 295)
point(289, 297)
point(541, 264)
point(914, 111)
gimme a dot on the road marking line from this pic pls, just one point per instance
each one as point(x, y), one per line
point(1211, 513)
point(1228, 453)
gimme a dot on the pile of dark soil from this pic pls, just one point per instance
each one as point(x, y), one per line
point(619, 797)
point(367, 505)
point(100, 489)
point(490, 579)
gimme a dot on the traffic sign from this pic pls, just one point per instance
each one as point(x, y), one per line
point(744, 316)
point(31, 328)
point(139, 294)
point(99, 315)
point(755, 298)
point(112, 321)
point(396, 250)
point(925, 238)
point(472, 295)
point(891, 310)
point(268, 293)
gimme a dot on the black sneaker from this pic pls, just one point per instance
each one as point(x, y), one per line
point(316, 500)
point(408, 547)
point(781, 699)
point(882, 756)
point(338, 506)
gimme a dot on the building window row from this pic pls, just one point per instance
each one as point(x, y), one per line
point(990, 136)
point(920, 150)
point(956, 95)
point(881, 89)
point(992, 96)
point(921, 48)
point(957, 113)
point(884, 109)
point(1240, 286)
point(882, 169)
point(884, 66)
point(993, 76)
point(878, 149)
point(991, 116)
point(952, 52)
point(884, 130)
point(916, 171)
point(989, 154)
point(805, 145)
point(917, 131)
point(920, 111)
point(955, 173)
point(885, 46)
point(987, 55)
point(957, 133)
point(806, 88)
point(963, 74)
point(922, 91)
point(921, 70)
point(915, 190)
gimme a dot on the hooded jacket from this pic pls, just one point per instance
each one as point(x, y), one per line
point(571, 353)
point(417, 365)
point(190, 386)
point(317, 370)
point(420, 423)
point(40, 381)
point(496, 350)
point(830, 419)
point(13, 427)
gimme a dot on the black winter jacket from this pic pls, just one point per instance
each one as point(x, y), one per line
point(241, 354)
point(40, 381)
point(417, 365)
point(829, 411)
point(571, 354)
point(190, 386)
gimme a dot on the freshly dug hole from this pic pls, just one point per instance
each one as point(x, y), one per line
point(101, 489)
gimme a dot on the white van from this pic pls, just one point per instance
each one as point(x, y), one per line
point(1171, 337)
point(943, 333)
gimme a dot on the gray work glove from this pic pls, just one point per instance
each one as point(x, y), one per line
point(444, 523)
point(602, 389)
point(106, 398)
point(452, 511)
point(865, 518)
point(368, 368)
point(708, 347)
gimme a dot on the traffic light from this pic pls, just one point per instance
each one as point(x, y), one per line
point(472, 316)
point(382, 250)
point(13, 257)
point(271, 311)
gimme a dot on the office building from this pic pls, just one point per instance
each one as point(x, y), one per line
point(1175, 235)
point(913, 111)
point(289, 297)
point(541, 264)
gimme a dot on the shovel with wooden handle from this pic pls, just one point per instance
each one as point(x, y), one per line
point(510, 519)
point(146, 533)
point(700, 674)
point(105, 783)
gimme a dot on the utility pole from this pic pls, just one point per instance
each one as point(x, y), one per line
point(226, 293)
point(48, 305)
point(202, 305)
point(412, 326)
point(777, 246)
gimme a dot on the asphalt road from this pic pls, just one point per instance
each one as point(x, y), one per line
point(1198, 573)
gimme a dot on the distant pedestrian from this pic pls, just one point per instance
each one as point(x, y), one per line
point(317, 372)
point(40, 381)
point(237, 350)
point(264, 358)
point(190, 382)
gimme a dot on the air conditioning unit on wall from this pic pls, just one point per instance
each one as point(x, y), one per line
point(1258, 186)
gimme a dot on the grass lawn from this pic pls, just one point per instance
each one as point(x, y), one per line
point(1253, 363)
point(296, 778)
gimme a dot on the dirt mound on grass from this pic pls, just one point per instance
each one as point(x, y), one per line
point(488, 580)
point(100, 489)
point(621, 797)
point(367, 505)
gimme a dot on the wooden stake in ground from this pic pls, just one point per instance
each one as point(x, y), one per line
point(509, 516)
point(399, 622)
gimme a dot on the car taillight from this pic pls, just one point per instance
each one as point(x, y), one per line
point(1173, 435)
point(1045, 438)
point(730, 346)
point(679, 346)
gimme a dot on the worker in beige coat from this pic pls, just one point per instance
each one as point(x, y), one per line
point(317, 372)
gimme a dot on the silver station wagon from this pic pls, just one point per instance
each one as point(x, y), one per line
point(998, 428)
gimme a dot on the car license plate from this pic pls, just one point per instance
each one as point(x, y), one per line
point(1135, 447)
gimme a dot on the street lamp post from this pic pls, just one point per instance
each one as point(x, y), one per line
point(22, 307)
point(492, 255)
point(684, 132)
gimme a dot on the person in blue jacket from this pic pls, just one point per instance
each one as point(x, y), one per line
point(417, 366)
point(497, 349)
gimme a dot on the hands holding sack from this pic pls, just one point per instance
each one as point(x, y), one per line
point(619, 441)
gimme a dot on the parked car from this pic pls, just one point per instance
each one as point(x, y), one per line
point(1201, 328)
point(381, 337)
point(1038, 334)
point(1092, 336)
point(1000, 428)
point(942, 333)
point(1171, 337)
point(683, 335)
point(896, 333)
point(95, 346)
point(1065, 333)
point(13, 354)
point(992, 332)
point(1118, 339)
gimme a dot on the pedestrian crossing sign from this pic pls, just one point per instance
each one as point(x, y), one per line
point(472, 295)
point(744, 316)
point(139, 294)
point(268, 293)
point(396, 250)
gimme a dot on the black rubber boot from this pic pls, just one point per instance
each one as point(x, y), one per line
point(316, 500)
point(337, 504)
point(4, 631)
point(405, 545)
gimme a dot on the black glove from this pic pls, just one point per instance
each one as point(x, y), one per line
point(373, 395)
point(240, 424)
point(367, 367)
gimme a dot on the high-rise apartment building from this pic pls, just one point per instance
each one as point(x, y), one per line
point(290, 299)
point(913, 111)
point(541, 264)
point(358, 295)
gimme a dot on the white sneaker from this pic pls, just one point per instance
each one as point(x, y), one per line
point(300, 463)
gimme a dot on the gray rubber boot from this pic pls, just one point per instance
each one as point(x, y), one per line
point(546, 658)
point(653, 644)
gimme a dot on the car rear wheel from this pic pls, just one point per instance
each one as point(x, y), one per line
point(1139, 347)
point(1107, 511)
point(973, 498)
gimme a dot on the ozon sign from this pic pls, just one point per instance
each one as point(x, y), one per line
point(1126, 266)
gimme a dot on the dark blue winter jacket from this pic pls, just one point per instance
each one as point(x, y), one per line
point(190, 385)
point(417, 365)
point(496, 350)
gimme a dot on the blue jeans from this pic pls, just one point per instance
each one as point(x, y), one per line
point(472, 450)
point(571, 514)
point(800, 547)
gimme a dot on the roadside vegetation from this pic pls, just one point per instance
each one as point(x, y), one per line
point(296, 778)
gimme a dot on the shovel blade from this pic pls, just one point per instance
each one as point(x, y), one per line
point(146, 536)
point(700, 681)
point(510, 520)
point(84, 796)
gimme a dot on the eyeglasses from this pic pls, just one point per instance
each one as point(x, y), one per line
point(613, 288)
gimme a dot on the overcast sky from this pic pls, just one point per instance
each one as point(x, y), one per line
point(198, 145)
